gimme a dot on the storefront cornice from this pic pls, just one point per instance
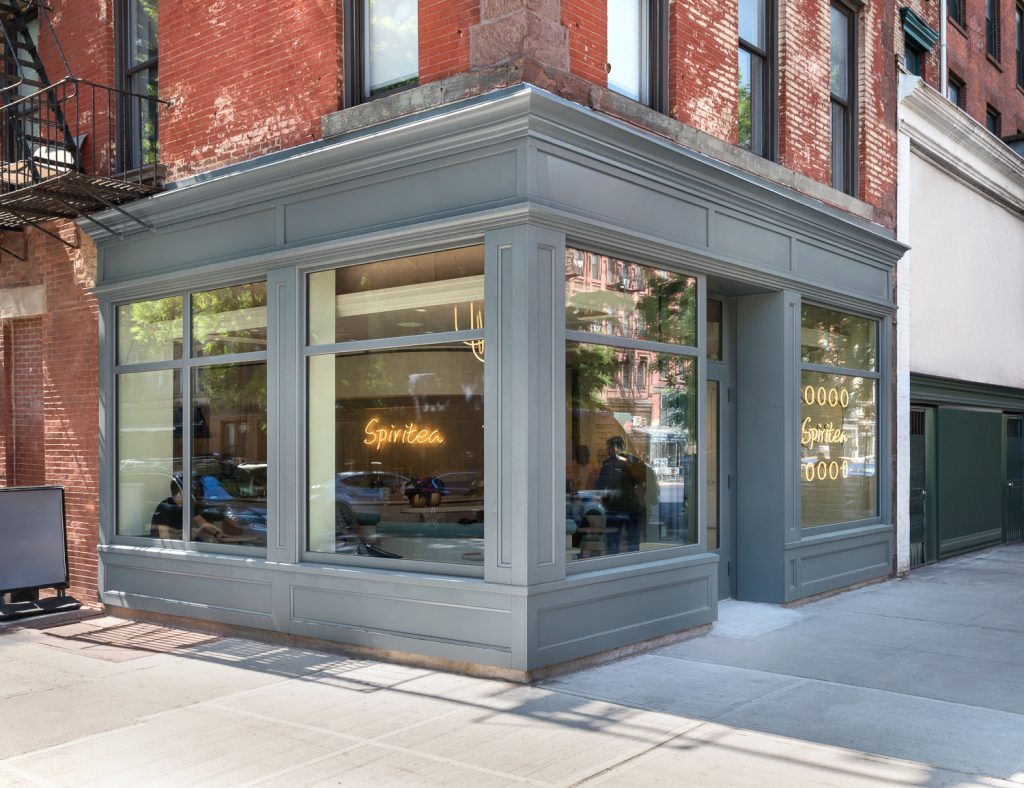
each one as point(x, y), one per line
point(949, 138)
point(509, 153)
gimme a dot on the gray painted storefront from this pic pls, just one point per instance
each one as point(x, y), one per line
point(524, 173)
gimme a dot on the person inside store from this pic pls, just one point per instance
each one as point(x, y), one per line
point(167, 518)
point(621, 481)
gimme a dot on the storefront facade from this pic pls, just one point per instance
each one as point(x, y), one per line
point(506, 384)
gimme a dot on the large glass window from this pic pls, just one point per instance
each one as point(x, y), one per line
point(838, 417)
point(212, 473)
point(631, 414)
point(396, 418)
point(842, 98)
point(755, 75)
point(382, 47)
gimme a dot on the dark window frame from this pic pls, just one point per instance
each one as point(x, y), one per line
point(768, 126)
point(129, 142)
point(657, 56)
point(955, 12)
point(993, 120)
point(955, 83)
point(354, 43)
point(913, 58)
point(848, 105)
point(993, 39)
point(1018, 11)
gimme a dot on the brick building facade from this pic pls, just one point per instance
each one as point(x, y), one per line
point(254, 91)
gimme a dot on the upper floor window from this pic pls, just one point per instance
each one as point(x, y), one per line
point(918, 39)
point(637, 50)
point(382, 48)
point(956, 11)
point(842, 98)
point(137, 62)
point(756, 66)
point(912, 58)
point(993, 120)
point(956, 91)
point(1019, 18)
point(992, 28)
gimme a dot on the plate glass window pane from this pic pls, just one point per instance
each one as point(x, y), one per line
point(751, 22)
point(837, 339)
point(714, 330)
point(626, 47)
point(655, 305)
point(838, 146)
point(839, 81)
point(392, 44)
point(396, 454)
point(838, 448)
point(149, 331)
point(630, 455)
point(142, 19)
point(745, 139)
point(229, 454)
point(423, 294)
point(149, 446)
point(230, 320)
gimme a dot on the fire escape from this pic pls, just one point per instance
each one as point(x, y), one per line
point(69, 148)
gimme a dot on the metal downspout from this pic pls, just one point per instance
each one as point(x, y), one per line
point(943, 66)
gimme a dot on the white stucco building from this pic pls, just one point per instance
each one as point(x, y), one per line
point(960, 290)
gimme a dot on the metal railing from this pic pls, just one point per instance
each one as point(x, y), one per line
point(79, 127)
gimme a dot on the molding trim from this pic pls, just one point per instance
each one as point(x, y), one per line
point(503, 115)
point(917, 30)
point(950, 139)
point(926, 389)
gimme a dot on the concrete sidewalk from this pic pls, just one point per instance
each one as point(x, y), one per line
point(911, 682)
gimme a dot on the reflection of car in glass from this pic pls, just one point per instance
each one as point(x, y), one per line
point(466, 484)
point(355, 487)
point(220, 499)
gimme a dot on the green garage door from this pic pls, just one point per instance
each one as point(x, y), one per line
point(970, 479)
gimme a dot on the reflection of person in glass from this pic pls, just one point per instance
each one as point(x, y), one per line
point(621, 480)
point(167, 519)
point(582, 474)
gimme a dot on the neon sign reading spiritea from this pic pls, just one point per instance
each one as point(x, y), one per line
point(812, 434)
point(377, 437)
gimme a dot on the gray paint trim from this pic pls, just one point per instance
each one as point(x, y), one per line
point(535, 127)
point(638, 184)
point(945, 391)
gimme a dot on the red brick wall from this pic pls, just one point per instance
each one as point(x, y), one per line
point(49, 428)
point(21, 383)
point(703, 89)
point(85, 29)
point(803, 87)
point(988, 82)
point(587, 23)
point(71, 400)
point(877, 84)
point(444, 37)
point(245, 82)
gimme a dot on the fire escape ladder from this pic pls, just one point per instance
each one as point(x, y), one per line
point(61, 142)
